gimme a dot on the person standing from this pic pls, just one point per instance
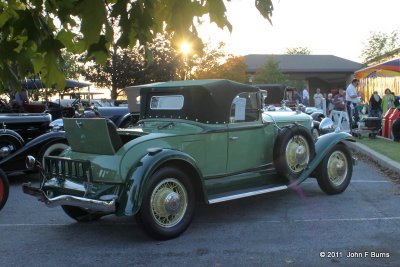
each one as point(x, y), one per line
point(352, 99)
point(318, 99)
point(306, 97)
point(387, 101)
point(329, 104)
point(375, 104)
point(339, 101)
point(297, 97)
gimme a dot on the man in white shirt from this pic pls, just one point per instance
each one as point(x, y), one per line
point(352, 99)
point(318, 97)
point(306, 97)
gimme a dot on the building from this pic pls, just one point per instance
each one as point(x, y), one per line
point(326, 72)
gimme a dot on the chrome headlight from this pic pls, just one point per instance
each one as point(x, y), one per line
point(57, 125)
point(30, 162)
point(326, 126)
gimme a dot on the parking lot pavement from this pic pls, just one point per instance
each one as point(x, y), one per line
point(302, 227)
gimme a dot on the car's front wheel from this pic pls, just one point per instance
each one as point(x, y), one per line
point(293, 150)
point(168, 204)
point(8, 146)
point(335, 171)
point(4, 189)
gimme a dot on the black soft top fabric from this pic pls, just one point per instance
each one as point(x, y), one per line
point(207, 101)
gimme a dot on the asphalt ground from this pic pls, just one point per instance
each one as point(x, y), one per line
point(302, 227)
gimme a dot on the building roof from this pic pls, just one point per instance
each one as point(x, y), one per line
point(303, 63)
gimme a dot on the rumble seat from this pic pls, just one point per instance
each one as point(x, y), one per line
point(112, 131)
point(92, 135)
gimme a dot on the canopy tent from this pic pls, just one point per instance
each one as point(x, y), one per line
point(379, 77)
point(389, 68)
point(31, 84)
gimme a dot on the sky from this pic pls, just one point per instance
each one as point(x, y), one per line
point(326, 27)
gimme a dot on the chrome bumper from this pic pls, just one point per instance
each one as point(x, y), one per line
point(85, 203)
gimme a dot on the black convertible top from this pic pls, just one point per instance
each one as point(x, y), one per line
point(207, 101)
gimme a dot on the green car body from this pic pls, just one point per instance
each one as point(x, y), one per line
point(213, 132)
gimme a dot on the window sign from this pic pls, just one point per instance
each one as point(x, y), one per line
point(240, 109)
point(169, 102)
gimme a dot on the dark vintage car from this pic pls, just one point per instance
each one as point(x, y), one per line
point(207, 140)
point(35, 134)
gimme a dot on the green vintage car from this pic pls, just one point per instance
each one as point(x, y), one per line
point(206, 140)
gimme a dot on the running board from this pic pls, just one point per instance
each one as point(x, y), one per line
point(242, 194)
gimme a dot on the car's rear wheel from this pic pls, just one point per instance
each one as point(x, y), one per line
point(293, 150)
point(168, 204)
point(335, 171)
point(4, 189)
point(54, 148)
point(80, 214)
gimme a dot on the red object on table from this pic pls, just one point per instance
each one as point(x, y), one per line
point(395, 114)
point(385, 123)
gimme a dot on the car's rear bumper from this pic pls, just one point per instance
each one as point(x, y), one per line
point(107, 206)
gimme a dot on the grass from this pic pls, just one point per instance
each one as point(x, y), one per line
point(383, 146)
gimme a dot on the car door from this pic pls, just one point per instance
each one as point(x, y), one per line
point(246, 139)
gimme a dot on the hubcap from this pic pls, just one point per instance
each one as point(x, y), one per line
point(6, 150)
point(297, 153)
point(337, 167)
point(168, 202)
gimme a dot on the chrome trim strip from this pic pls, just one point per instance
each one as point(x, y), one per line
point(247, 194)
point(85, 203)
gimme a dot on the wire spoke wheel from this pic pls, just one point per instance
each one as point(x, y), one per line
point(297, 153)
point(168, 203)
point(335, 170)
point(337, 167)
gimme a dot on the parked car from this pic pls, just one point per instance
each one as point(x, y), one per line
point(19, 128)
point(4, 189)
point(207, 140)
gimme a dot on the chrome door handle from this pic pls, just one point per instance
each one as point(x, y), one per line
point(233, 138)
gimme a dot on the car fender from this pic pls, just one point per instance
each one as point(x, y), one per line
point(322, 146)
point(148, 164)
point(17, 159)
point(14, 134)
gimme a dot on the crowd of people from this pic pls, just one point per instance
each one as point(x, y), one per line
point(349, 100)
point(346, 99)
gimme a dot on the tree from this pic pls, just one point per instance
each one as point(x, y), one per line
point(34, 32)
point(128, 67)
point(70, 65)
point(380, 43)
point(298, 51)
point(270, 73)
point(233, 69)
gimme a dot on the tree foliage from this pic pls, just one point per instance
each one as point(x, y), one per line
point(378, 44)
point(270, 73)
point(298, 51)
point(234, 68)
point(34, 32)
point(128, 67)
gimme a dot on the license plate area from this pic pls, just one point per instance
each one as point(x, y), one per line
point(64, 168)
